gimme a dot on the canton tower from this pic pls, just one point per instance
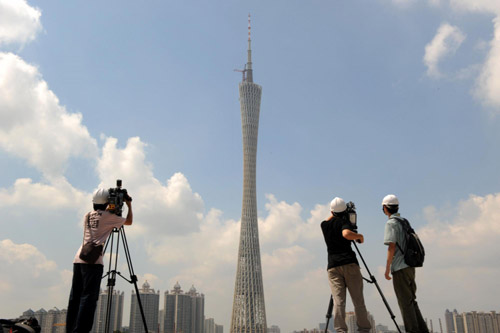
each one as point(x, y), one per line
point(249, 311)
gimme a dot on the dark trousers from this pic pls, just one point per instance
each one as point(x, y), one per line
point(405, 289)
point(83, 297)
point(342, 278)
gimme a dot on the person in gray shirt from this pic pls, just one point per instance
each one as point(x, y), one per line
point(403, 276)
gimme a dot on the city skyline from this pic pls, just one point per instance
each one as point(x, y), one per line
point(360, 100)
point(187, 307)
point(474, 321)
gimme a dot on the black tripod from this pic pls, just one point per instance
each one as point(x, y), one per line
point(372, 280)
point(329, 313)
point(111, 274)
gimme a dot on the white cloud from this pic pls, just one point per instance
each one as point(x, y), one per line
point(474, 222)
point(57, 195)
point(214, 244)
point(484, 6)
point(297, 300)
point(449, 38)
point(19, 22)
point(279, 262)
point(462, 252)
point(11, 253)
point(284, 226)
point(488, 83)
point(33, 125)
point(160, 209)
point(282, 222)
point(446, 41)
point(26, 272)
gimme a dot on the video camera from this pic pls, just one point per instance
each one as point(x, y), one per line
point(351, 214)
point(117, 197)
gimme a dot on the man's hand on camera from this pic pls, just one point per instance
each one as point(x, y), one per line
point(130, 215)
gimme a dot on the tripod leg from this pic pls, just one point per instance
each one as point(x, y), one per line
point(329, 313)
point(133, 277)
point(111, 279)
point(393, 317)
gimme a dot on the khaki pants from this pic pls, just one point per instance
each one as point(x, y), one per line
point(340, 278)
point(405, 290)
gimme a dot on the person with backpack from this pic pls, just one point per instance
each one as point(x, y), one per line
point(88, 268)
point(405, 252)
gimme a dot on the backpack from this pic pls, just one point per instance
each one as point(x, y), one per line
point(413, 252)
point(20, 325)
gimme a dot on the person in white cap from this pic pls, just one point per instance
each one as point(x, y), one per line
point(87, 276)
point(403, 276)
point(343, 267)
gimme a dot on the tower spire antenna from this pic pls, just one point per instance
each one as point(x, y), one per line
point(249, 74)
point(249, 28)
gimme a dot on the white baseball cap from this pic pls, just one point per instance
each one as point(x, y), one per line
point(338, 205)
point(100, 196)
point(390, 200)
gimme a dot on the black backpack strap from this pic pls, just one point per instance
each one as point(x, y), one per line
point(406, 227)
point(405, 223)
point(400, 249)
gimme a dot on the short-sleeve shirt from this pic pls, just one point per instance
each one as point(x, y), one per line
point(394, 233)
point(339, 249)
point(102, 224)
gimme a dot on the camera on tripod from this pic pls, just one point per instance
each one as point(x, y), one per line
point(117, 197)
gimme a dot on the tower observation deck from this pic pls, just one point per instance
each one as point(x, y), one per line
point(249, 312)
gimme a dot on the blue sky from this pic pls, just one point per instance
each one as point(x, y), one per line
point(360, 99)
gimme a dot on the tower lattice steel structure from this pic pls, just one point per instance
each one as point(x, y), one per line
point(249, 311)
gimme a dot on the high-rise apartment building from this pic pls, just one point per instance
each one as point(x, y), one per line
point(249, 312)
point(274, 329)
point(473, 322)
point(161, 317)
point(41, 316)
point(458, 323)
point(183, 312)
point(352, 325)
point(28, 314)
point(448, 318)
point(209, 325)
point(60, 324)
point(197, 310)
point(468, 322)
point(52, 321)
point(212, 327)
point(116, 313)
point(150, 301)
